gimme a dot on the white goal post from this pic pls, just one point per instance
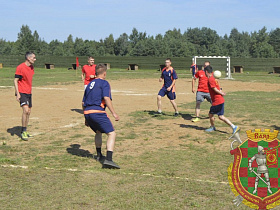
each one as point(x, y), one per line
point(228, 72)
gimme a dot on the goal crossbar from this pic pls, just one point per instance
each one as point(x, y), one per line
point(228, 72)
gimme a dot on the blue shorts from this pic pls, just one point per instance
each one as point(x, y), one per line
point(99, 122)
point(218, 110)
point(171, 95)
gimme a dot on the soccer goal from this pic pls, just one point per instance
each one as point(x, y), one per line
point(218, 65)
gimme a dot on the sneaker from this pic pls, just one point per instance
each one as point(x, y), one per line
point(235, 130)
point(28, 134)
point(110, 164)
point(210, 129)
point(160, 113)
point(176, 114)
point(24, 136)
point(101, 159)
point(196, 119)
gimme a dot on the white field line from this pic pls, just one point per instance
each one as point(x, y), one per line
point(117, 92)
point(132, 174)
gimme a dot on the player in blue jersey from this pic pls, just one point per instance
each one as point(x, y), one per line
point(169, 76)
point(97, 97)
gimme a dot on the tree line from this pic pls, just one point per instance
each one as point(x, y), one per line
point(174, 43)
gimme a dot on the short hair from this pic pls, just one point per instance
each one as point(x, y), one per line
point(100, 69)
point(28, 54)
point(209, 69)
point(168, 59)
point(207, 62)
point(90, 57)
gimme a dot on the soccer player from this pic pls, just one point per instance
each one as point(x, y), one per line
point(169, 76)
point(97, 97)
point(23, 87)
point(202, 90)
point(88, 71)
point(193, 69)
point(217, 102)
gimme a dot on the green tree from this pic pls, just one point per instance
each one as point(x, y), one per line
point(109, 44)
point(274, 40)
point(25, 40)
point(122, 45)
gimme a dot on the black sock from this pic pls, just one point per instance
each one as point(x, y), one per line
point(98, 150)
point(109, 155)
point(23, 129)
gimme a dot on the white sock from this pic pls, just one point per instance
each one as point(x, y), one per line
point(159, 111)
point(232, 126)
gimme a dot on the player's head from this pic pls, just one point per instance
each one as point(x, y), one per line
point(30, 57)
point(167, 62)
point(206, 63)
point(100, 70)
point(90, 60)
point(208, 70)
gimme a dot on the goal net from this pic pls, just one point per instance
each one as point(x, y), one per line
point(221, 63)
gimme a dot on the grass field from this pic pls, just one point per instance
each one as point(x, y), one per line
point(167, 162)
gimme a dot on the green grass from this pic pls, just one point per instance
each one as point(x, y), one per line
point(152, 176)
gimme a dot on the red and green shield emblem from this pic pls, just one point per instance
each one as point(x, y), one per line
point(265, 192)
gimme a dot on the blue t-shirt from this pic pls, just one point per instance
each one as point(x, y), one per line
point(168, 77)
point(94, 94)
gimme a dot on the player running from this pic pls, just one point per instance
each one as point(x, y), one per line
point(88, 71)
point(169, 76)
point(217, 102)
point(97, 97)
point(202, 90)
point(23, 87)
point(193, 69)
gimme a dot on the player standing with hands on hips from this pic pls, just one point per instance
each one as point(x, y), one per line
point(97, 97)
point(23, 88)
point(169, 76)
point(88, 71)
point(217, 102)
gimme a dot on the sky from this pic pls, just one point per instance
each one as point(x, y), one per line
point(97, 19)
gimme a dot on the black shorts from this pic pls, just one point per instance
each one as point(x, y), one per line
point(25, 99)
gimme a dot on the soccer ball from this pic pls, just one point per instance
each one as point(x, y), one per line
point(217, 74)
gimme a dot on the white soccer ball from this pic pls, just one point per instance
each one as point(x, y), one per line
point(217, 74)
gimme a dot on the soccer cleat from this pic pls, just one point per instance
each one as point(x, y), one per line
point(235, 130)
point(28, 134)
point(196, 119)
point(24, 136)
point(101, 159)
point(176, 114)
point(160, 113)
point(210, 129)
point(110, 164)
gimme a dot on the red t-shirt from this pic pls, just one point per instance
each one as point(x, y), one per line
point(215, 97)
point(202, 82)
point(25, 74)
point(88, 70)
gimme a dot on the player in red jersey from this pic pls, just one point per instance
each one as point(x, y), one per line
point(23, 88)
point(88, 71)
point(202, 92)
point(217, 102)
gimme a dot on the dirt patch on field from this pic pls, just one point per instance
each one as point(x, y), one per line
point(57, 111)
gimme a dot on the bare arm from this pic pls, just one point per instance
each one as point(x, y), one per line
point(173, 83)
point(193, 83)
point(219, 91)
point(109, 104)
point(83, 76)
point(16, 89)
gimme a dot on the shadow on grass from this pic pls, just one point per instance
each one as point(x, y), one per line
point(15, 131)
point(197, 127)
point(74, 149)
point(276, 127)
point(80, 111)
